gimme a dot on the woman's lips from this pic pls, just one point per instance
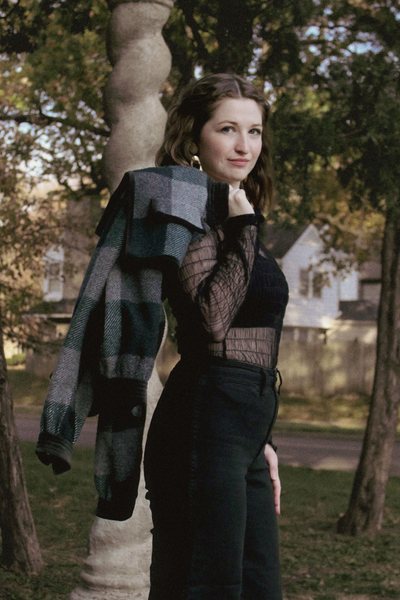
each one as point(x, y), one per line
point(239, 162)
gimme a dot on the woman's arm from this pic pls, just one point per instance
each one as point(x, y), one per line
point(216, 270)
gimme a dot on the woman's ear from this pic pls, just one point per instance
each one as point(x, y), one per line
point(193, 148)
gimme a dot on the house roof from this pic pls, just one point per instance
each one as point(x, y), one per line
point(278, 239)
point(358, 310)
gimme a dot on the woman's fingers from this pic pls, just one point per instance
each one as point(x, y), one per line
point(276, 484)
point(238, 203)
point(272, 461)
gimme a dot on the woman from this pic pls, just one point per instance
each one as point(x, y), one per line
point(210, 467)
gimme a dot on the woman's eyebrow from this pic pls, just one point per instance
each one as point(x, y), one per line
point(236, 123)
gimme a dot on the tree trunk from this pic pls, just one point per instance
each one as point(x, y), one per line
point(365, 510)
point(20, 546)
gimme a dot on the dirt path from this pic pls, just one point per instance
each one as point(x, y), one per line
point(313, 450)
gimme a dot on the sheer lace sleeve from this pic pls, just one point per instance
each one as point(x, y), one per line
point(215, 272)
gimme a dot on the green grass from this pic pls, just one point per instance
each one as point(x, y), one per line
point(63, 509)
point(28, 391)
point(317, 563)
point(345, 413)
point(16, 359)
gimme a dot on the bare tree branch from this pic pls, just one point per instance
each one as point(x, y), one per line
point(44, 119)
point(9, 13)
point(187, 9)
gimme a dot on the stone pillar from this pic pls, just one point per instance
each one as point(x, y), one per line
point(117, 566)
point(141, 62)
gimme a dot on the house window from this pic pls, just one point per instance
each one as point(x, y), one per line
point(317, 284)
point(304, 288)
point(53, 284)
point(53, 275)
point(311, 283)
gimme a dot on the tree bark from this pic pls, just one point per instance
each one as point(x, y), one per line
point(20, 546)
point(365, 510)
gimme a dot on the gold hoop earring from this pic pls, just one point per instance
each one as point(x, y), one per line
point(195, 162)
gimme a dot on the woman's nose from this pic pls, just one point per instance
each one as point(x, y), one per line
point(242, 144)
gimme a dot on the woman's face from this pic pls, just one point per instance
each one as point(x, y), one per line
point(230, 141)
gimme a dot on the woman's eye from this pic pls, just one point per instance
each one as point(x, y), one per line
point(255, 131)
point(227, 129)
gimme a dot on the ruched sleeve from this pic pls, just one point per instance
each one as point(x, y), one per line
point(216, 270)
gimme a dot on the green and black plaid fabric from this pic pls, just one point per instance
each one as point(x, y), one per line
point(109, 351)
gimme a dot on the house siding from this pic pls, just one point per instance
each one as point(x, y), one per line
point(309, 311)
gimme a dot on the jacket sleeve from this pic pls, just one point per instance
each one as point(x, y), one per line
point(216, 270)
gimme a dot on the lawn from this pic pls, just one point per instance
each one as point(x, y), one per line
point(28, 391)
point(62, 507)
point(316, 562)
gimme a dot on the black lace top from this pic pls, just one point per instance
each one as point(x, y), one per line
point(229, 296)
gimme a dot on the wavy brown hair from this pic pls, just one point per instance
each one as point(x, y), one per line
point(194, 107)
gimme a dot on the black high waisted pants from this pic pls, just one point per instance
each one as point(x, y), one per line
point(215, 532)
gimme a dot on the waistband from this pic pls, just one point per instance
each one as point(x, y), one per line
point(272, 373)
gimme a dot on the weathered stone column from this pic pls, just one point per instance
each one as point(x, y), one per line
point(117, 567)
point(141, 63)
point(119, 552)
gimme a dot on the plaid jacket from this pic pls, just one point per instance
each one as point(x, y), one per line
point(116, 328)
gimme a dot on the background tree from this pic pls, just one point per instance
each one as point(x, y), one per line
point(261, 38)
point(368, 125)
point(20, 232)
point(20, 545)
point(51, 132)
point(332, 73)
point(53, 70)
point(355, 74)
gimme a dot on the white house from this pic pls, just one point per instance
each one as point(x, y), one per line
point(330, 321)
point(53, 280)
point(320, 297)
point(329, 333)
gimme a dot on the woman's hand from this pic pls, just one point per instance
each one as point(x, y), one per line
point(272, 461)
point(238, 203)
